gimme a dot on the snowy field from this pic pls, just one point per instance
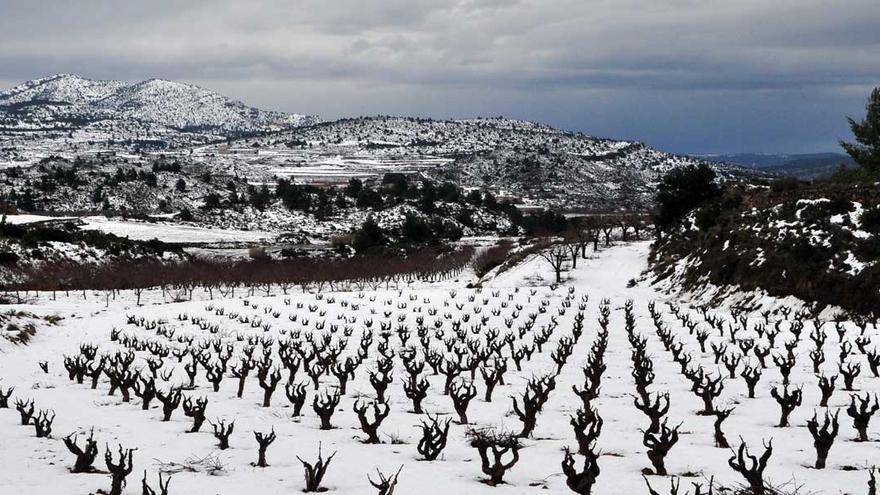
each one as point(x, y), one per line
point(24, 219)
point(519, 303)
point(144, 231)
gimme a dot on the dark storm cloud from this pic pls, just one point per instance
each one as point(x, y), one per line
point(680, 74)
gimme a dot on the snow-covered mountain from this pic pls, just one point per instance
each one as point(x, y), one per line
point(66, 102)
point(523, 160)
point(75, 118)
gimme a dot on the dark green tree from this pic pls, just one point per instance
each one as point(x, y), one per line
point(474, 197)
point(369, 198)
point(260, 197)
point(489, 201)
point(395, 183)
point(212, 201)
point(354, 187)
point(26, 201)
point(324, 209)
point(369, 236)
point(428, 197)
point(98, 195)
point(150, 179)
point(416, 230)
point(449, 192)
point(680, 191)
point(866, 150)
point(340, 201)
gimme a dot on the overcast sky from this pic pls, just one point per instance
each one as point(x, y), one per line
point(681, 75)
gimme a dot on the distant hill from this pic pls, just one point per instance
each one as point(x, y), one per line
point(96, 110)
point(802, 166)
point(534, 162)
point(68, 119)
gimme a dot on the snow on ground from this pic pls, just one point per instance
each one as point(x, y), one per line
point(26, 219)
point(144, 231)
point(40, 466)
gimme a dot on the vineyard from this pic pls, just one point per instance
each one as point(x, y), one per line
point(594, 385)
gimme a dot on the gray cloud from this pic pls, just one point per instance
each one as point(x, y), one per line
point(729, 75)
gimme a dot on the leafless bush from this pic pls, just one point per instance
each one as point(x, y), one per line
point(118, 470)
point(264, 441)
point(25, 410)
point(823, 437)
point(659, 443)
point(4, 397)
point(43, 423)
point(386, 484)
point(314, 473)
point(750, 467)
point(324, 405)
point(581, 482)
point(861, 414)
point(222, 431)
point(499, 444)
point(370, 427)
point(788, 401)
point(196, 411)
point(163, 485)
point(85, 455)
point(433, 439)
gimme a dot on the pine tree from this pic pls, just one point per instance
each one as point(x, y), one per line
point(680, 191)
point(866, 150)
point(354, 187)
point(369, 236)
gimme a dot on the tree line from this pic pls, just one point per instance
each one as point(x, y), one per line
point(227, 275)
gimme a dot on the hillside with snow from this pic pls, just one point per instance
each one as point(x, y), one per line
point(70, 145)
point(66, 101)
point(69, 113)
point(817, 242)
point(523, 162)
point(528, 162)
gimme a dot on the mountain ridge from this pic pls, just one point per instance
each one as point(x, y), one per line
point(530, 161)
point(77, 119)
point(799, 165)
point(70, 101)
